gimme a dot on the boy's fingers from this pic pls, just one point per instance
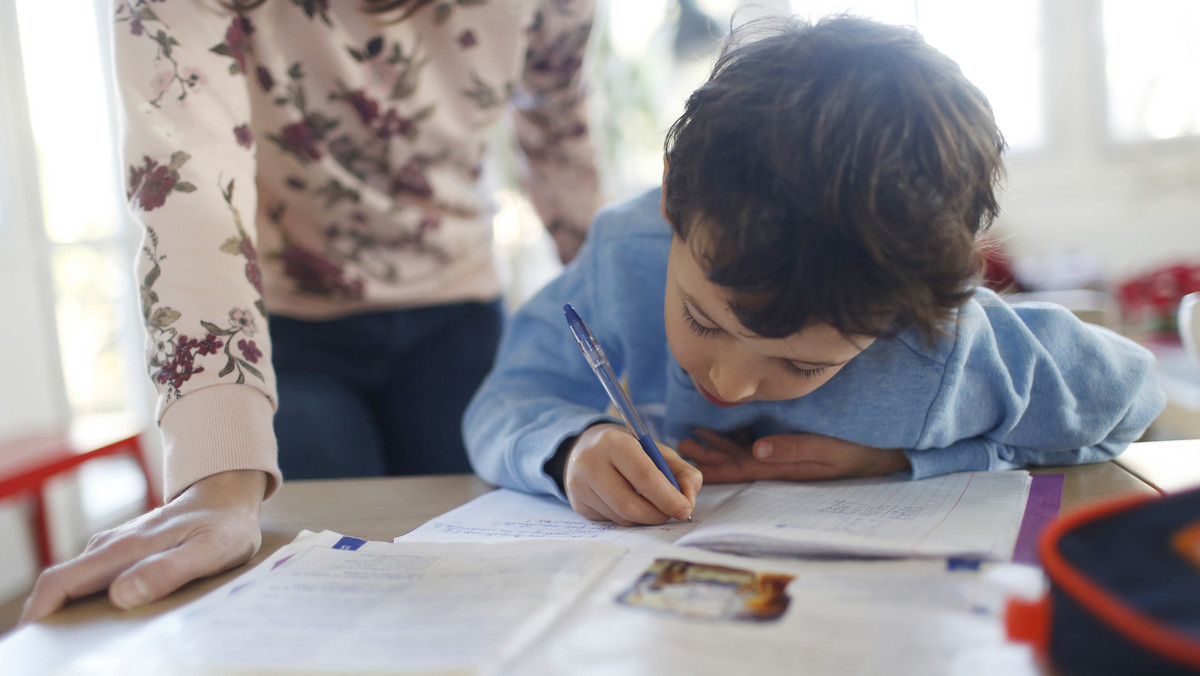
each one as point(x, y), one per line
point(719, 442)
point(589, 505)
point(705, 456)
point(788, 448)
point(754, 471)
point(606, 491)
point(656, 501)
point(690, 479)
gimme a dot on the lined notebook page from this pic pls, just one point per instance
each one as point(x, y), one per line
point(969, 514)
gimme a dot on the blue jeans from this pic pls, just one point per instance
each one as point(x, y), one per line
point(382, 393)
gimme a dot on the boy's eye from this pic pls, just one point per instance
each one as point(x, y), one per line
point(696, 327)
point(802, 372)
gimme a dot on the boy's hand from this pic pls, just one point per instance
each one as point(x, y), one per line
point(209, 528)
point(609, 476)
point(797, 457)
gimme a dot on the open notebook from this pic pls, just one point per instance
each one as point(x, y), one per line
point(969, 515)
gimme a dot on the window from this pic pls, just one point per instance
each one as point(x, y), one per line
point(1152, 66)
point(90, 250)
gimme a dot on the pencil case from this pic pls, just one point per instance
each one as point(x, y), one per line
point(1123, 589)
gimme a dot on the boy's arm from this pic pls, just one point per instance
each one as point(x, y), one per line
point(1033, 385)
point(540, 393)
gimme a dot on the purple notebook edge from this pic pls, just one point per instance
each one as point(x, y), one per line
point(1045, 499)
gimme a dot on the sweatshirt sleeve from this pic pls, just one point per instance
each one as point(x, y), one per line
point(190, 182)
point(541, 391)
point(1031, 384)
point(551, 123)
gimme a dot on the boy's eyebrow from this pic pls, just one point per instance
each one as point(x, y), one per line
point(694, 307)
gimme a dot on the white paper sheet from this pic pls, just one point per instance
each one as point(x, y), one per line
point(505, 515)
point(843, 618)
point(405, 608)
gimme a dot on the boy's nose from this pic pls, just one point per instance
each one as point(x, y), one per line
point(732, 383)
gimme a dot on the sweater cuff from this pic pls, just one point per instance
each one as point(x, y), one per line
point(218, 429)
point(968, 455)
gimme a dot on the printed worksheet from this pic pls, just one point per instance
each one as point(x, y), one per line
point(682, 610)
point(330, 604)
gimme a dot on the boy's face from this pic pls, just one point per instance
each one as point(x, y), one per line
point(730, 365)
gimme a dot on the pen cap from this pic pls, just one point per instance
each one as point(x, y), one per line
point(587, 344)
point(572, 315)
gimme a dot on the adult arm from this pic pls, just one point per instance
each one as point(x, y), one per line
point(211, 527)
point(551, 123)
point(181, 70)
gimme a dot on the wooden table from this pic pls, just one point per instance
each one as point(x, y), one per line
point(381, 509)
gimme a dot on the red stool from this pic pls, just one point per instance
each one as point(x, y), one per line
point(27, 464)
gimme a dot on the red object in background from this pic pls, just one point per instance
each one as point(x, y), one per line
point(1152, 299)
point(997, 268)
point(30, 463)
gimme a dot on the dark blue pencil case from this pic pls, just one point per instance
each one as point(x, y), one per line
point(1124, 589)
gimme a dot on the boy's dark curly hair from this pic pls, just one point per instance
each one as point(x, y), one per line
point(837, 173)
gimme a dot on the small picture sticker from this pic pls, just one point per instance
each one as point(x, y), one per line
point(710, 592)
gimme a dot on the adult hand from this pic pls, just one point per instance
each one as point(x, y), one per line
point(609, 476)
point(211, 527)
point(798, 457)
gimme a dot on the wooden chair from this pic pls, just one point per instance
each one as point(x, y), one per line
point(28, 463)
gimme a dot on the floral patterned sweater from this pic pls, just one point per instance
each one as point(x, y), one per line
point(310, 159)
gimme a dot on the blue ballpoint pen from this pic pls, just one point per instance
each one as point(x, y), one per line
point(604, 371)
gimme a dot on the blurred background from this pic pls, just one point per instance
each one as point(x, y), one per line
point(1098, 100)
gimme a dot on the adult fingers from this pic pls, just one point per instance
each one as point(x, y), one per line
point(80, 577)
point(106, 556)
point(203, 553)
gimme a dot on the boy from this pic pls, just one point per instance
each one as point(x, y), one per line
point(799, 301)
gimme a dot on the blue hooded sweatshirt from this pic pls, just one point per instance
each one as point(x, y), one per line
point(1010, 386)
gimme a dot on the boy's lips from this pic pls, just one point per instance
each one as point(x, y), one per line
point(712, 398)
